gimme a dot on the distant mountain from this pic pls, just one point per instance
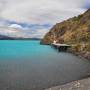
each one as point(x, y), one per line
point(3, 37)
point(15, 34)
point(22, 38)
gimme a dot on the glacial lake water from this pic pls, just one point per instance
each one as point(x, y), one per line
point(27, 65)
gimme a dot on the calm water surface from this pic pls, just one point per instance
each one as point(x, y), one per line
point(27, 65)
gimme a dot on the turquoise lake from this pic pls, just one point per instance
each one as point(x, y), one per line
point(27, 65)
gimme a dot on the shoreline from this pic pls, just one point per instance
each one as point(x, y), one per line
point(83, 84)
point(83, 55)
point(76, 85)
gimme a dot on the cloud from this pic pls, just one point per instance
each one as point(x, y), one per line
point(33, 18)
point(17, 26)
point(10, 32)
point(40, 11)
point(38, 33)
point(16, 30)
point(12, 28)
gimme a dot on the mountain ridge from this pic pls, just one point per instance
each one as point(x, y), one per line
point(4, 37)
point(74, 31)
point(68, 30)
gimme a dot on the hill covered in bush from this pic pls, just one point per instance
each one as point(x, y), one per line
point(74, 31)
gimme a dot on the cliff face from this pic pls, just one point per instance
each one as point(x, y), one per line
point(73, 30)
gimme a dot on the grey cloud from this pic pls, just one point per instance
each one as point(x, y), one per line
point(40, 11)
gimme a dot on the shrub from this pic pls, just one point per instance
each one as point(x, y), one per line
point(88, 47)
point(76, 47)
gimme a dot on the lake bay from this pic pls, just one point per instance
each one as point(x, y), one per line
point(27, 65)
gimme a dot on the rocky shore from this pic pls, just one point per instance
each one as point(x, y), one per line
point(75, 85)
point(74, 31)
point(82, 51)
point(85, 55)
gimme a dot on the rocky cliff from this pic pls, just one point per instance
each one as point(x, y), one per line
point(73, 30)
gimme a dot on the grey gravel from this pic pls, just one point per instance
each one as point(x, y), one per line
point(76, 85)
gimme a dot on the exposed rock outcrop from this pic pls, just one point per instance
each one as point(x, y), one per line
point(73, 30)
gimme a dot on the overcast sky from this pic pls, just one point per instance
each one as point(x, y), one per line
point(35, 17)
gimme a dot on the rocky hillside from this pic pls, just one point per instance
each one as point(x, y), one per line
point(73, 30)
